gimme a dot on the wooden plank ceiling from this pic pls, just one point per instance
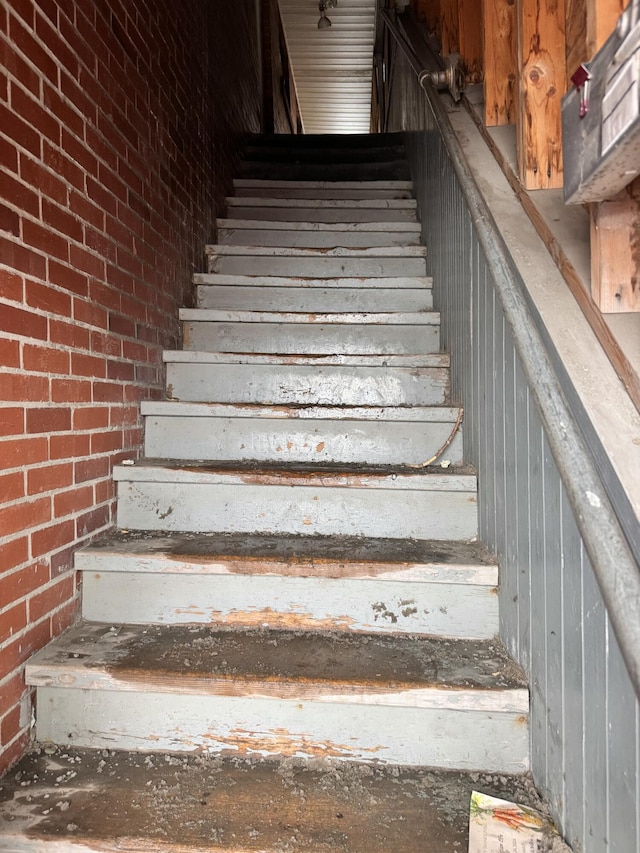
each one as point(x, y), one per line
point(331, 66)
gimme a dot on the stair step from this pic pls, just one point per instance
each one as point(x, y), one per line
point(327, 141)
point(373, 436)
point(293, 499)
point(354, 696)
point(348, 380)
point(92, 800)
point(255, 232)
point(318, 156)
point(322, 210)
point(317, 263)
point(253, 187)
point(387, 169)
point(303, 333)
point(446, 589)
point(269, 293)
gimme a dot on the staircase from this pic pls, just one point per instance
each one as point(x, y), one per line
point(289, 643)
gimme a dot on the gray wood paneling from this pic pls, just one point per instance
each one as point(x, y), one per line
point(585, 732)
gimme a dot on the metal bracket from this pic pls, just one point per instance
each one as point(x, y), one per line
point(451, 77)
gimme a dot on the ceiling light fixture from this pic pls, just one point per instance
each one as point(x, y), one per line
point(324, 22)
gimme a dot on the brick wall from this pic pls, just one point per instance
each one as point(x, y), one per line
point(120, 126)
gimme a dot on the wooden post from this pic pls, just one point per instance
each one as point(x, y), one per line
point(449, 31)
point(615, 224)
point(470, 38)
point(499, 34)
point(542, 67)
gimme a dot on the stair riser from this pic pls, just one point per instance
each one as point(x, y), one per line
point(316, 267)
point(388, 171)
point(274, 155)
point(438, 737)
point(308, 338)
point(289, 189)
point(322, 214)
point(316, 239)
point(313, 299)
point(297, 440)
point(304, 385)
point(307, 510)
point(306, 603)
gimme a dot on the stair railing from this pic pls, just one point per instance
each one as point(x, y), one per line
point(548, 506)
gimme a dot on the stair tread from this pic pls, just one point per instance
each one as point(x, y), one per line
point(338, 227)
point(297, 473)
point(427, 361)
point(306, 665)
point(344, 203)
point(200, 804)
point(439, 414)
point(296, 556)
point(338, 252)
point(366, 318)
point(366, 283)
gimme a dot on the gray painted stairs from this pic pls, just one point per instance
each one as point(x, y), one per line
point(303, 491)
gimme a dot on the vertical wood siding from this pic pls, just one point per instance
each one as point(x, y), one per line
point(585, 736)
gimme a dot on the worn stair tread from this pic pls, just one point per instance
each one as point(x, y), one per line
point(297, 474)
point(366, 283)
point(365, 318)
point(341, 252)
point(292, 556)
point(344, 204)
point(398, 362)
point(264, 183)
point(307, 665)
point(315, 227)
point(103, 800)
point(439, 414)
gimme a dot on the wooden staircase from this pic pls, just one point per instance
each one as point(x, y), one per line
point(294, 600)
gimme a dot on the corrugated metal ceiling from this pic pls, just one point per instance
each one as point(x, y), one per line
point(332, 67)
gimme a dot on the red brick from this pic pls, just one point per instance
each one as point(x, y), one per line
point(9, 221)
point(100, 244)
point(60, 50)
point(12, 621)
point(48, 420)
point(34, 114)
point(100, 147)
point(88, 365)
point(92, 521)
point(12, 690)
point(105, 492)
point(78, 151)
point(62, 220)
point(106, 442)
point(51, 539)
point(16, 321)
point(91, 469)
point(13, 751)
point(62, 561)
point(33, 173)
point(102, 198)
point(65, 616)
point(120, 371)
point(68, 446)
point(107, 297)
point(68, 335)
point(70, 391)
point(16, 452)
point(11, 488)
point(19, 131)
point(21, 387)
point(12, 61)
point(86, 209)
point(44, 239)
point(107, 344)
point(10, 726)
point(50, 599)
point(89, 313)
point(13, 553)
point(68, 278)
point(112, 182)
point(32, 50)
point(11, 286)
point(9, 353)
point(72, 501)
point(49, 478)
point(48, 299)
point(12, 421)
point(87, 262)
point(20, 650)
point(77, 94)
point(107, 392)
point(90, 417)
point(63, 165)
point(45, 360)
point(22, 516)
point(19, 194)
point(119, 233)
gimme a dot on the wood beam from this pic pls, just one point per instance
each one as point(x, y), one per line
point(470, 38)
point(615, 223)
point(499, 37)
point(542, 79)
point(449, 27)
